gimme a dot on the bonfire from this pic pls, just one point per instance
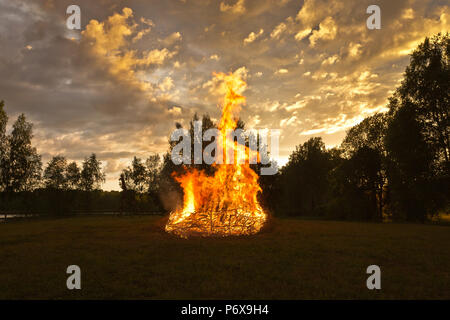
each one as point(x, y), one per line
point(225, 203)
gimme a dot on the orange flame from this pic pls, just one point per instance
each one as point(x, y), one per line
point(225, 203)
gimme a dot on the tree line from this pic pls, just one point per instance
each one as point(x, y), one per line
point(392, 165)
point(21, 165)
point(26, 186)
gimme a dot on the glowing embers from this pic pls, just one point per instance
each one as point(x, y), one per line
point(218, 223)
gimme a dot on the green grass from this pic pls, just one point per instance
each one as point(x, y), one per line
point(131, 257)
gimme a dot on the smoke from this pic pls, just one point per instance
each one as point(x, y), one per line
point(171, 200)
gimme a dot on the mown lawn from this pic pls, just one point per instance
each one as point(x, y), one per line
point(131, 257)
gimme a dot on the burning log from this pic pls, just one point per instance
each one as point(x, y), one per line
point(218, 223)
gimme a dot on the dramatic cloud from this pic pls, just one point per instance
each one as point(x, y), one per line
point(237, 8)
point(253, 36)
point(109, 42)
point(327, 31)
point(118, 86)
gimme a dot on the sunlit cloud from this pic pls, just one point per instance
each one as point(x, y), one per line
point(282, 71)
point(118, 87)
point(278, 31)
point(237, 8)
point(327, 31)
point(109, 43)
point(253, 36)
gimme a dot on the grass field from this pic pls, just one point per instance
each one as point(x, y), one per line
point(131, 257)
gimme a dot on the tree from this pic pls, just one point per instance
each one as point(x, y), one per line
point(3, 146)
point(409, 165)
point(368, 133)
point(92, 175)
point(140, 184)
point(134, 177)
point(304, 179)
point(142, 177)
point(24, 166)
point(73, 176)
point(366, 170)
point(417, 138)
point(153, 164)
point(363, 178)
point(55, 176)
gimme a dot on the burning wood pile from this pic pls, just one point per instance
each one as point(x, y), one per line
point(225, 203)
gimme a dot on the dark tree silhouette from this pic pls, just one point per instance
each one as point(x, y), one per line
point(3, 146)
point(55, 174)
point(426, 86)
point(304, 179)
point(364, 146)
point(417, 139)
point(73, 176)
point(141, 176)
point(23, 166)
point(92, 175)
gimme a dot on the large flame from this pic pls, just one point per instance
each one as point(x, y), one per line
point(225, 203)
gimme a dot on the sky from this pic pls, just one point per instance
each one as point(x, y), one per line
point(118, 86)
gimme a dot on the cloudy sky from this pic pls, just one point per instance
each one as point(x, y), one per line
point(117, 86)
